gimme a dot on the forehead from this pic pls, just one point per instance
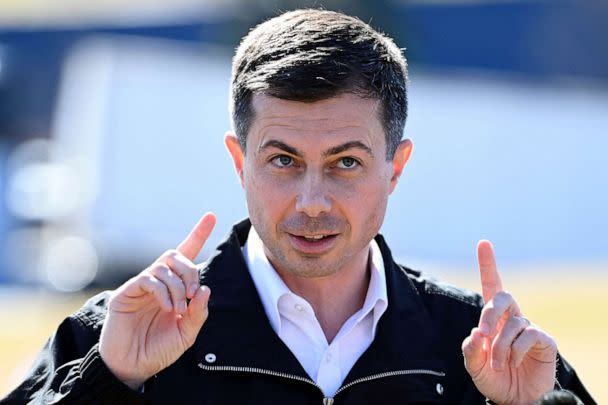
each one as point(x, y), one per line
point(334, 120)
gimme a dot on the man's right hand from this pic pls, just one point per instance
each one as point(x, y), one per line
point(149, 324)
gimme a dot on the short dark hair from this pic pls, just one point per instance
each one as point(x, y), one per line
point(310, 55)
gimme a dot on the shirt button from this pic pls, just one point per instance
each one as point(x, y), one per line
point(299, 307)
point(439, 389)
point(328, 357)
point(210, 358)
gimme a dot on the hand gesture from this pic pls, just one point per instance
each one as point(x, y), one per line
point(149, 324)
point(510, 360)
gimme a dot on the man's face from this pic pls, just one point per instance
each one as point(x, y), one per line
point(316, 181)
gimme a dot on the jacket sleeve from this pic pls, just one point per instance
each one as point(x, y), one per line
point(567, 379)
point(69, 368)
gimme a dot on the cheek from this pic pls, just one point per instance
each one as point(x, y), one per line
point(267, 197)
point(366, 203)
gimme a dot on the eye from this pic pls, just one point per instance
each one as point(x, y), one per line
point(282, 161)
point(347, 163)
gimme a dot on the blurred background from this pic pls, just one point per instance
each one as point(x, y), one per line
point(112, 117)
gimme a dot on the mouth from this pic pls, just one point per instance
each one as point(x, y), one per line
point(314, 244)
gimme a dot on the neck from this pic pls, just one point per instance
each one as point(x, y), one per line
point(336, 297)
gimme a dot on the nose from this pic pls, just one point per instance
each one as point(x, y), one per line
point(312, 199)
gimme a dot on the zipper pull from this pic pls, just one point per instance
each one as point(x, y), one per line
point(328, 401)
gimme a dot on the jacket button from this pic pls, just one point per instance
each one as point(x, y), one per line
point(210, 358)
point(439, 389)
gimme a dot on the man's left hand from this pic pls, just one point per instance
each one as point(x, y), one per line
point(510, 360)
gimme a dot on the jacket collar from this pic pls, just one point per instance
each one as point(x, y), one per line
point(239, 334)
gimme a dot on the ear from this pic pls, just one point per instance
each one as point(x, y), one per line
point(238, 157)
point(402, 155)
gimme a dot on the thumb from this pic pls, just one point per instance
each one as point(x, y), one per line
point(475, 356)
point(197, 313)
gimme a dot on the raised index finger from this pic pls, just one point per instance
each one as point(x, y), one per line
point(192, 245)
point(490, 279)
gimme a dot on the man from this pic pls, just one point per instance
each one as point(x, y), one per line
point(308, 305)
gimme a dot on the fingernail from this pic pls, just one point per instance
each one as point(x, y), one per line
point(496, 365)
point(182, 306)
point(192, 289)
point(485, 329)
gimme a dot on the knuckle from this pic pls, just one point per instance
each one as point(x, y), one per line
point(487, 310)
point(145, 278)
point(523, 323)
point(159, 269)
point(170, 257)
point(504, 297)
point(157, 284)
point(171, 261)
point(176, 284)
point(535, 333)
point(190, 276)
point(181, 265)
point(466, 347)
point(489, 315)
point(516, 323)
point(148, 275)
point(525, 340)
point(192, 273)
point(170, 253)
point(153, 284)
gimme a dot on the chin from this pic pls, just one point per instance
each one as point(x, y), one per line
point(313, 267)
point(312, 271)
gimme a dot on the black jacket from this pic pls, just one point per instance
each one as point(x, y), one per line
point(237, 358)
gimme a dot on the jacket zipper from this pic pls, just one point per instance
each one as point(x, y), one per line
point(383, 375)
point(326, 400)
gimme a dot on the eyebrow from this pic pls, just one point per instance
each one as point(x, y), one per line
point(346, 146)
point(273, 143)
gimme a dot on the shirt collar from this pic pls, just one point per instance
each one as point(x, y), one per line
point(376, 299)
point(269, 284)
point(271, 287)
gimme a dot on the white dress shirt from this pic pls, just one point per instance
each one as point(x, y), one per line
point(294, 321)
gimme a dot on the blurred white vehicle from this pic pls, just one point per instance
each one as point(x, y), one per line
point(137, 156)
